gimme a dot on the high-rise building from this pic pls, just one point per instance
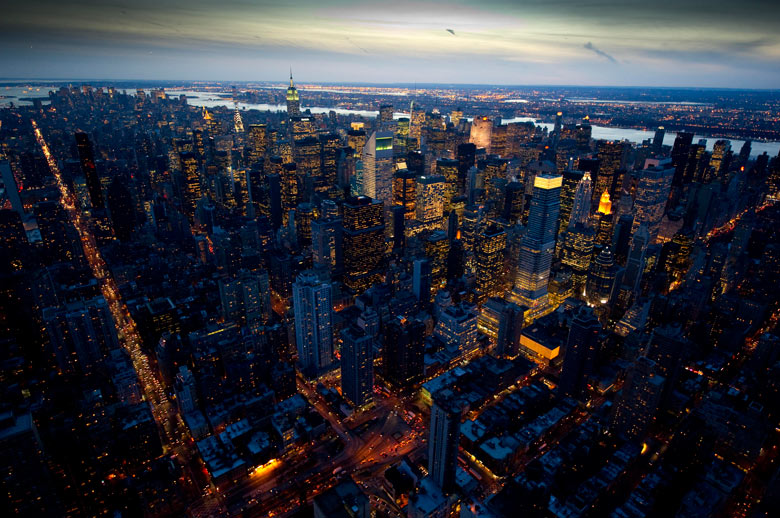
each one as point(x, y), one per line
point(538, 243)
point(385, 113)
point(190, 169)
point(327, 244)
point(356, 139)
point(636, 405)
point(437, 249)
point(89, 170)
point(405, 192)
point(581, 203)
point(652, 193)
point(431, 193)
point(378, 167)
point(489, 253)
point(293, 100)
point(467, 158)
point(329, 151)
point(502, 321)
point(448, 168)
point(186, 391)
point(481, 132)
point(658, 139)
point(422, 281)
point(601, 278)
point(313, 307)
point(570, 182)
point(364, 242)
point(719, 161)
point(635, 262)
point(577, 253)
point(443, 439)
point(581, 353)
point(610, 157)
point(357, 366)
point(403, 352)
point(246, 297)
point(680, 155)
point(457, 327)
point(258, 143)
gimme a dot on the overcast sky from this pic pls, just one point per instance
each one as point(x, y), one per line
point(709, 43)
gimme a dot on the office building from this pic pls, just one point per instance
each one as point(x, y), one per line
point(652, 193)
point(313, 308)
point(357, 366)
point(581, 203)
point(444, 439)
point(582, 347)
point(403, 352)
point(378, 167)
point(457, 327)
point(405, 192)
point(364, 242)
point(489, 262)
point(538, 243)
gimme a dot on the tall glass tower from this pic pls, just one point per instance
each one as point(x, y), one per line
point(538, 244)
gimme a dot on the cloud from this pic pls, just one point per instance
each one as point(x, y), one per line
point(591, 46)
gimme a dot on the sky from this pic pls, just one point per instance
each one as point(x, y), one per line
point(689, 43)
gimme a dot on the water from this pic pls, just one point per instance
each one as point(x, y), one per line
point(638, 136)
point(13, 94)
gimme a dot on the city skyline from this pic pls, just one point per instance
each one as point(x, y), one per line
point(719, 44)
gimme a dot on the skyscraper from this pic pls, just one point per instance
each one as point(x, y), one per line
point(489, 260)
point(652, 193)
point(431, 192)
point(581, 352)
point(385, 113)
point(601, 278)
point(192, 182)
point(577, 253)
point(403, 352)
point(610, 156)
point(580, 209)
point(680, 155)
point(481, 132)
point(327, 244)
point(443, 439)
point(378, 167)
point(89, 170)
point(364, 242)
point(538, 243)
point(293, 100)
point(313, 323)
point(357, 366)
point(569, 184)
point(405, 192)
point(457, 327)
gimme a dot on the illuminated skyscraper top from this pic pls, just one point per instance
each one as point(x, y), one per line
point(293, 100)
point(538, 243)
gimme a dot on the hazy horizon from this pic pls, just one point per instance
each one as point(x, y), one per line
point(667, 43)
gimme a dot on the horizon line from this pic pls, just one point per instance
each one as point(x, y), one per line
point(347, 83)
